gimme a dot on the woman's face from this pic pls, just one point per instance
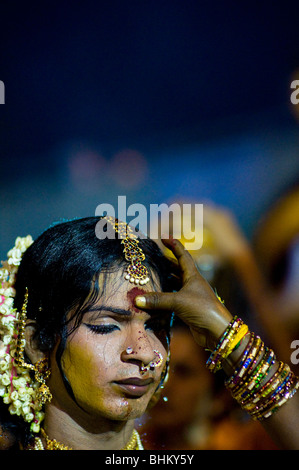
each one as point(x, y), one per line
point(105, 376)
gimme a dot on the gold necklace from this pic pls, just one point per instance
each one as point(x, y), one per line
point(134, 443)
point(51, 444)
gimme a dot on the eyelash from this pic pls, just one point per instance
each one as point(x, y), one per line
point(106, 329)
point(101, 329)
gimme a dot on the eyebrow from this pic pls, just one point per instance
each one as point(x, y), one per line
point(117, 311)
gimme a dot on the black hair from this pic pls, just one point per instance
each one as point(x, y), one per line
point(61, 269)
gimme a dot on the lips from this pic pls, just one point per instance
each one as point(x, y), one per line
point(134, 386)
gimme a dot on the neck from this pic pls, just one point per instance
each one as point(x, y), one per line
point(104, 435)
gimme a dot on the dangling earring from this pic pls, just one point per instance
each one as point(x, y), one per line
point(40, 368)
point(164, 377)
point(165, 372)
point(42, 373)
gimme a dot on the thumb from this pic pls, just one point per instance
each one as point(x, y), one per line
point(156, 301)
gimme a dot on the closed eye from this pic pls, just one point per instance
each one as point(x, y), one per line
point(101, 329)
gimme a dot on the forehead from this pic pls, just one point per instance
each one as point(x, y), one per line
point(116, 288)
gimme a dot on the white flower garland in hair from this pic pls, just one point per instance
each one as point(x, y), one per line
point(17, 387)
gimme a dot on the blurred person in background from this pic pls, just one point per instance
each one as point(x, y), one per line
point(195, 412)
point(276, 244)
point(204, 416)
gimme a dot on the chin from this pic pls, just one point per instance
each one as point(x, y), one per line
point(126, 409)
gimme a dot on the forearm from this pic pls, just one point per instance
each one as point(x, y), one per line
point(283, 426)
point(274, 394)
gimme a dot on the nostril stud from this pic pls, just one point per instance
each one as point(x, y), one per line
point(129, 350)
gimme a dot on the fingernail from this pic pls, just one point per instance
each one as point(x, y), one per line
point(140, 301)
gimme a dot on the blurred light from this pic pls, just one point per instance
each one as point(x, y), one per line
point(87, 169)
point(128, 169)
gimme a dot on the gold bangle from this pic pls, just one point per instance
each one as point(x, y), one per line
point(266, 398)
point(248, 367)
point(232, 381)
point(270, 386)
point(237, 339)
point(278, 398)
point(215, 361)
point(262, 370)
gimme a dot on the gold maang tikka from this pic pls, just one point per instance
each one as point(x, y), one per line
point(40, 368)
point(136, 272)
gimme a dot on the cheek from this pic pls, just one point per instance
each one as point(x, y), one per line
point(85, 367)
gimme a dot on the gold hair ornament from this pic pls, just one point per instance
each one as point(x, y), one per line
point(136, 272)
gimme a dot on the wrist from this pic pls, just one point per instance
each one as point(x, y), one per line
point(220, 319)
point(229, 341)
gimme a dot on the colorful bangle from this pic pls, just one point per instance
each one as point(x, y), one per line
point(256, 364)
point(233, 380)
point(285, 391)
point(263, 370)
point(215, 361)
point(258, 389)
point(287, 396)
point(249, 365)
point(258, 375)
point(236, 341)
point(269, 387)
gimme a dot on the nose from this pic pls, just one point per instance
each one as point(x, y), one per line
point(139, 349)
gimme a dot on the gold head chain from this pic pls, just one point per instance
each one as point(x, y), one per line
point(136, 272)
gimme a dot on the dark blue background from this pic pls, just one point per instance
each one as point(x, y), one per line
point(153, 100)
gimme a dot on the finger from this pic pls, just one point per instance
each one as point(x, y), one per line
point(183, 256)
point(156, 301)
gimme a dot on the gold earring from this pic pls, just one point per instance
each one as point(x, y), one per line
point(42, 373)
point(40, 368)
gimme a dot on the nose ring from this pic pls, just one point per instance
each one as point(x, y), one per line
point(153, 364)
